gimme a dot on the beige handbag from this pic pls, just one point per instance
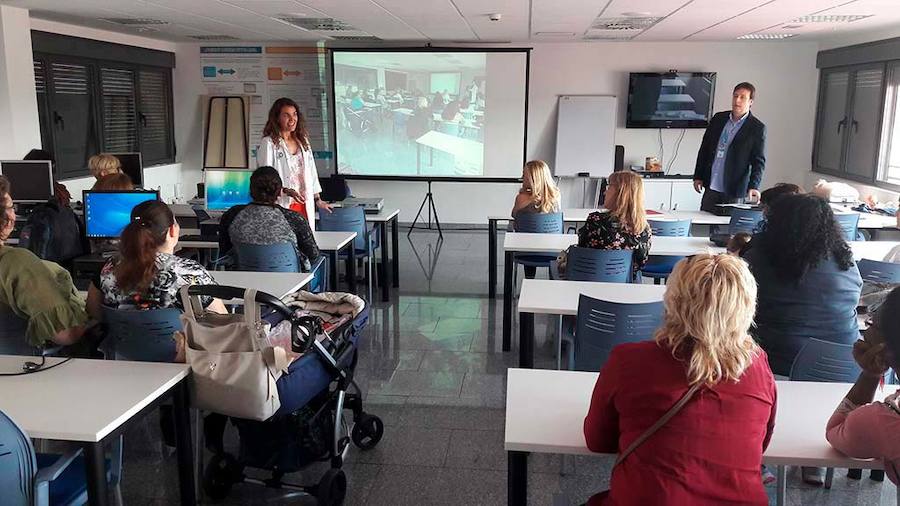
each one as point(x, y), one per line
point(234, 369)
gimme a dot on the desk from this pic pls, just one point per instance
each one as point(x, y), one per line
point(391, 275)
point(466, 150)
point(560, 297)
point(278, 284)
point(564, 397)
point(92, 401)
point(332, 243)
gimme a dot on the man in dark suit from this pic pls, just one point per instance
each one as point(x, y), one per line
point(732, 156)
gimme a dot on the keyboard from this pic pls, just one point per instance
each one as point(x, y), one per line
point(204, 238)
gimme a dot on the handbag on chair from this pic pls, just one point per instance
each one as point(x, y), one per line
point(234, 370)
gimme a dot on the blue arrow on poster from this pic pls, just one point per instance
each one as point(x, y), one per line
point(226, 71)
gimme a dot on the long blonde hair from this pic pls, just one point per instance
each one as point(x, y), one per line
point(710, 301)
point(629, 202)
point(539, 180)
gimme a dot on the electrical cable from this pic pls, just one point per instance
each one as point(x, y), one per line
point(675, 155)
point(32, 367)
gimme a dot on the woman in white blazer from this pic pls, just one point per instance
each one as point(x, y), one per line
point(285, 146)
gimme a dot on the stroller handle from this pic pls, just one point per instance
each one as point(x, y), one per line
point(233, 292)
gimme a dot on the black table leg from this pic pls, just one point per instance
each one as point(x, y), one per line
point(526, 340)
point(351, 268)
point(95, 471)
point(385, 268)
point(395, 249)
point(492, 258)
point(507, 299)
point(183, 445)
point(517, 478)
point(332, 271)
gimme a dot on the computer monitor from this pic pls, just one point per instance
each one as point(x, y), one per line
point(133, 166)
point(107, 213)
point(30, 181)
point(226, 188)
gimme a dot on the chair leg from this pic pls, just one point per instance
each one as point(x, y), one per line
point(657, 281)
point(559, 329)
point(829, 477)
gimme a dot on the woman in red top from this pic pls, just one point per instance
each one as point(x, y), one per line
point(710, 452)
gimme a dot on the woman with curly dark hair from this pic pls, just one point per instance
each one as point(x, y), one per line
point(809, 285)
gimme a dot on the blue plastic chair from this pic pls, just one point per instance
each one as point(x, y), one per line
point(659, 267)
point(279, 257)
point(31, 479)
point(877, 271)
point(141, 335)
point(602, 325)
point(448, 127)
point(820, 360)
point(849, 223)
point(589, 264)
point(12, 336)
point(352, 219)
point(537, 223)
point(744, 220)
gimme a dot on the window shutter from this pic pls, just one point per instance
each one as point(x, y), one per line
point(71, 113)
point(40, 87)
point(156, 134)
point(119, 125)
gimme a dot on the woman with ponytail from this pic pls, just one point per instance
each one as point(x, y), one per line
point(710, 451)
point(146, 274)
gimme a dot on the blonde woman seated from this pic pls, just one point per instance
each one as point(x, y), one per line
point(538, 193)
point(624, 225)
point(710, 451)
point(103, 165)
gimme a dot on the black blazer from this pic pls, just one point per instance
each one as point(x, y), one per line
point(745, 160)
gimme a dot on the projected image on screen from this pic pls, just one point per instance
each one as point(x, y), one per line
point(227, 188)
point(429, 113)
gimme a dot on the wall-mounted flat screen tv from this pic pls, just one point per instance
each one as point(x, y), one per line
point(670, 99)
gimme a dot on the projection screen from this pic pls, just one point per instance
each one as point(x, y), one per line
point(453, 114)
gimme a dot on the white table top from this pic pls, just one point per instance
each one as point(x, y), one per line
point(578, 214)
point(873, 250)
point(464, 149)
point(278, 284)
point(381, 216)
point(799, 438)
point(82, 400)
point(550, 243)
point(544, 296)
point(332, 241)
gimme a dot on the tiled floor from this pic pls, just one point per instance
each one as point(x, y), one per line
point(432, 368)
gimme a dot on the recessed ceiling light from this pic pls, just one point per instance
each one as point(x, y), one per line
point(766, 36)
point(555, 34)
point(636, 14)
point(791, 27)
point(831, 18)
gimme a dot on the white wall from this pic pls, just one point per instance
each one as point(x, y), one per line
point(784, 74)
point(19, 125)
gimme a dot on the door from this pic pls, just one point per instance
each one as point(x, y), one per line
point(833, 120)
point(864, 121)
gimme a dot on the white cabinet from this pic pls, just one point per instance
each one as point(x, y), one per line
point(670, 195)
point(657, 194)
point(684, 198)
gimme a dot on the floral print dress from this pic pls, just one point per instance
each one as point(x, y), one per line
point(603, 231)
point(172, 272)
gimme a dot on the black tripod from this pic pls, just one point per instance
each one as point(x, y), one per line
point(429, 199)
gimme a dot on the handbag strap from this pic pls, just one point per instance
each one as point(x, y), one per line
point(659, 423)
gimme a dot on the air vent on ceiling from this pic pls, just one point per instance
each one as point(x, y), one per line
point(766, 36)
point(214, 38)
point(832, 18)
point(608, 35)
point(637, 23)
point(356, 38)
point(317, 24)
point(554, 34)
point(791, 27)
point(135, 21)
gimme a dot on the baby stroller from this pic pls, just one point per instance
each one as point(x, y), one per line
point(309, 426)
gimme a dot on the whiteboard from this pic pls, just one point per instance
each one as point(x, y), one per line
point(585, 135)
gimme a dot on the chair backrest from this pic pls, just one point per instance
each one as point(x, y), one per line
point(279, 257)
point(142, 335)
point(588, 264)
point(602, 325)
point(345, 219)
point(448, 127)
point(539, 223)
point(18, 464)
point(825, 361)
point(849, 223)
point(878, 271)
point(670, 228)
point(319, 271)
point(744, 220)
point(12, 334)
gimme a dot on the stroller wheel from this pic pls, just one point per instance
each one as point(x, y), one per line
point(367, 432)
point(220, 475)
point(332, 488)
